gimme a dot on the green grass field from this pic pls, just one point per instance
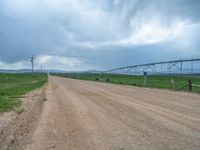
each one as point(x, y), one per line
point(13, 86)
point(154, 81)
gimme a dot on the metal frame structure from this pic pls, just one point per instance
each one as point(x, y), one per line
point(174, 66)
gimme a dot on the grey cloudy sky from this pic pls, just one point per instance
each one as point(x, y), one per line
point(97, 34)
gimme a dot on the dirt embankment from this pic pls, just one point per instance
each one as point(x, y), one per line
point(16, 128)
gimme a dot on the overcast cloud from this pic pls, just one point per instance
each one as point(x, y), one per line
point(97, 34)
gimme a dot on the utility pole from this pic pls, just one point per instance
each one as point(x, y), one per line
point(145, 79)
point(41, 68)
point(32, 62)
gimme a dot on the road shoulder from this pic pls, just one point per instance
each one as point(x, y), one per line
point(16, 128)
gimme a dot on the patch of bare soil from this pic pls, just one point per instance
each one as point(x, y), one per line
point(16, 127)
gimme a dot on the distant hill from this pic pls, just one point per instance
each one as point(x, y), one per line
point(14, 71)
point(29, 71)
point(45, 71)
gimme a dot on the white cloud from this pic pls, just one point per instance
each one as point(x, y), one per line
point(62, 63)
point(17, 65)
point(146, 33)
point(155, 32)
point(50, 62)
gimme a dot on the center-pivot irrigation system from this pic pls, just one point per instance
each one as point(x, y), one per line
point(182, 66)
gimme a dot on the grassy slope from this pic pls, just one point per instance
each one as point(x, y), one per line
point(163, 82)
point(13, 86)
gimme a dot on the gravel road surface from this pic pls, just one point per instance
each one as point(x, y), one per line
point(83, 115)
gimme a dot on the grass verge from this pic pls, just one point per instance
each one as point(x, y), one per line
point(153, 81)
point(13, 86)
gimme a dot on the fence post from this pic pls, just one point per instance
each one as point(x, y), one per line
point(190, 85)
point(145, 78)
point(173, 82)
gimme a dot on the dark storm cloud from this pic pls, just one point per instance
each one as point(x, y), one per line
point(100, 34)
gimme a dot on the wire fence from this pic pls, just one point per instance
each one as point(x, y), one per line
point(196, 85)
point(189, 86)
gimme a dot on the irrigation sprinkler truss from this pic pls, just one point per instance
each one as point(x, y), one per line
point(182, 66)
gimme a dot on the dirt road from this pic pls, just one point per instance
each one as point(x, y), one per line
point(90, 115)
